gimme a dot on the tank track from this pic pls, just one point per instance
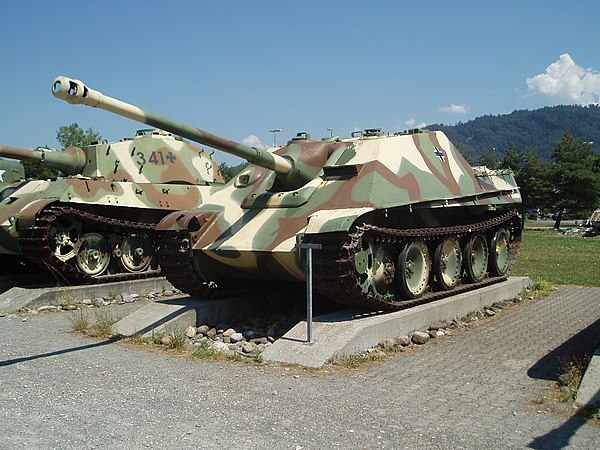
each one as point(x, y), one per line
point(175, 258)
point(334, 268)
point(33, 242)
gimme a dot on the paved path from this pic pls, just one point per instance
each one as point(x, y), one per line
point(471, 390)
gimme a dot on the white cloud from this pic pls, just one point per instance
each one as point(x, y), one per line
point(412, 123)
point(455, 109)
point(254, 141)
point(565, 81)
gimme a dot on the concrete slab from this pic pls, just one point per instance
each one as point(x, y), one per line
point(589, 388)
point(176, 314)
point(350, 332)
point(173, 316)
point(18, 297)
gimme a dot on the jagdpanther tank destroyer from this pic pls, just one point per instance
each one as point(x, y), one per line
point(402, 219)
point(96, 223)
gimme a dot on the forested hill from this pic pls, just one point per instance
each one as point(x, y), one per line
point(539, 130)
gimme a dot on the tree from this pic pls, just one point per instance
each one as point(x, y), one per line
point(575, 177)
point(74, 136)
point(489, 160)
point(532, 176)
point(230, 172)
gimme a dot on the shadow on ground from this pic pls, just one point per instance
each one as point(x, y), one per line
point(580, 346)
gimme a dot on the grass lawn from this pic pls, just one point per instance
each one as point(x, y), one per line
point(559, 259)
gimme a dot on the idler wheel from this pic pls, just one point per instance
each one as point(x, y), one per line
point(413, 269)
point(384, 268)
point(93, 256)
point(500, 253)
point(475, 257)
point(447, 263)
point(64, 237)
point(135, 252)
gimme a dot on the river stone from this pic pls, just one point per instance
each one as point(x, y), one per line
point(220, 346)
point(438, 325)
point(228, 332)
point(249, 347)
point(419, 337)
point(126, 298)
point(190, 331)
point(236, 337)
point(402, 340)
point(251, 334)
point(203, 329)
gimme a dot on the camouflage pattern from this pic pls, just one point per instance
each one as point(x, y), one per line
point(311, 191)
point(141, 178)
point(10, 171)
point(387, 180)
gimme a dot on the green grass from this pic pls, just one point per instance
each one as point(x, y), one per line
point(79, 321)
point(559, 259)
point(103, 326)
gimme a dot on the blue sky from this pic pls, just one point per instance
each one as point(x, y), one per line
point(240, 68)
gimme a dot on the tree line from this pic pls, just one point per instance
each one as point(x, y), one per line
point(539, 130)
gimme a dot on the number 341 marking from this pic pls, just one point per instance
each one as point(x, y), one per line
point(157, 157)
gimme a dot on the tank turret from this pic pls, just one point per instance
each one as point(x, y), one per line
point(70, 161)
point(401, 219)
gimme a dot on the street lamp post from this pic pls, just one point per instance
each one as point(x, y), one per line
point(330, 132)
point(274, 131)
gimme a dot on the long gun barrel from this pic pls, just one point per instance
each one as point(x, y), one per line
point(70, 161)
point(74, 91)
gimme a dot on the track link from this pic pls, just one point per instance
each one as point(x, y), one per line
point(34, 244)
point(334, 273)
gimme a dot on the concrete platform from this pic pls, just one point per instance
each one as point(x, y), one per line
point(589, 388)
point(350, 332)
point(176, 314)
point(18, 297)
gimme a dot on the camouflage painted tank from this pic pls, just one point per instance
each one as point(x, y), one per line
point(96, 223)
point(402, 219)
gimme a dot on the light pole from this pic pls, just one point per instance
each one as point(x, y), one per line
point(330, 132)
point(274, 131)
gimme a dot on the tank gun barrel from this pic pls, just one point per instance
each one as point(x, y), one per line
point(70, 161)
point(76, 92)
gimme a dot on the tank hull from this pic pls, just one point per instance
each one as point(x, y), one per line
point(249, 230)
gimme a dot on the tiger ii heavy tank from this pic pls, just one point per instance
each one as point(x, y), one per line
point(401, 219)
point(96, 222)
